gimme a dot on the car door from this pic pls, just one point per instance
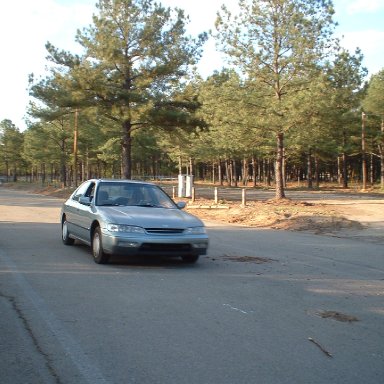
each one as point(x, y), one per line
point(80, 213)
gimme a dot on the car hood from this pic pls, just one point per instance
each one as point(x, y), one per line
point(149, 217)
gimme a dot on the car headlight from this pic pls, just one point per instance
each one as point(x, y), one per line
point(124, 228)
point(196, 231)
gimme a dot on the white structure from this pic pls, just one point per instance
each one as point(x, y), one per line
point(185, 185)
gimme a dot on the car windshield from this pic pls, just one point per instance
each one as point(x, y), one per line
point(132, 194)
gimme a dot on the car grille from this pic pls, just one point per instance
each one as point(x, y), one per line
point(153, 247)
point(164, 231)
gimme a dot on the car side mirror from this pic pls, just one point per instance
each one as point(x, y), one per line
point(181, 204)
point(85, 200)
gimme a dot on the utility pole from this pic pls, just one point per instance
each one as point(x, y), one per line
point(363, 154)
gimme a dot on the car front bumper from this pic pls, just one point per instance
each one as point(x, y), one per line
point(154, 245)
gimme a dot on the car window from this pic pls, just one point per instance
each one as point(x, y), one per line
point(85, 189)
point(160, 197)
point(132, 194)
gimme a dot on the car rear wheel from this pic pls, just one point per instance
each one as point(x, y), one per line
point(65, 234)
point(97, 248)
point(190, 258)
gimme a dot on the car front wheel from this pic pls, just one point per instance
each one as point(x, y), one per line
point(97, 248)
point(65, 234)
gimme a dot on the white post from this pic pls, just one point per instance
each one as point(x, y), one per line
point(243, 197)
point(181, 186)
point(188, 185)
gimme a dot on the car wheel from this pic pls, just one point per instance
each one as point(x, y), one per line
point(65, 234)
point(97, 248)
point(190, 258)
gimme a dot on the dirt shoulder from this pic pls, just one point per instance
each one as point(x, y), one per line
point(350, 216)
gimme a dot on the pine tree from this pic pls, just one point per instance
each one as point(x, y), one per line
point(136, 55)
point(11, 142)
point(374, 103)
point(277, 43)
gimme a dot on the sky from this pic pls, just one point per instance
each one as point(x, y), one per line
point(26, 26)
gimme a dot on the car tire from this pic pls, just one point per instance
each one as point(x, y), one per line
point(190, 259)
point(97, 248)
point(65, 234)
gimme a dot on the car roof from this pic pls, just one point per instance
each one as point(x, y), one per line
point(125, 181)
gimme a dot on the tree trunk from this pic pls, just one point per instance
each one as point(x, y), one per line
point(190, 166)
point(228, 172)
point(254, 171)
point(363, 153)
point(63, 168)
point(7, 169)
point(381, 150)
point(180, 166)
point(382, 167)
point(127, 150)
point(344, 157)
point(75, 148)
point(245, 171)
point(298, 172)
point(345, 170)
point(284, 167)
point(220, 172)
point(309, 169)
point(268, 174)
point(51, 171)
point(14, 172)
point(264, 171)
point(339, 171)
point(317, 175)
point(234, 172)
point(43, 174)
point(280, 194)
point(371, 170)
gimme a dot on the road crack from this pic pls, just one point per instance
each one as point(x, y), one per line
point(29, 330)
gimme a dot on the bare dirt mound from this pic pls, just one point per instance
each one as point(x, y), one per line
point(343, 218)
point(278, 214)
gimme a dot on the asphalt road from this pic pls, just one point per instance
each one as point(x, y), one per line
point(262, 307)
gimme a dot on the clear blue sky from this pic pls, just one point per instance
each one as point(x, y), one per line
point(26, 25)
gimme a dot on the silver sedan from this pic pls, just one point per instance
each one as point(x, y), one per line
point(128, 217)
